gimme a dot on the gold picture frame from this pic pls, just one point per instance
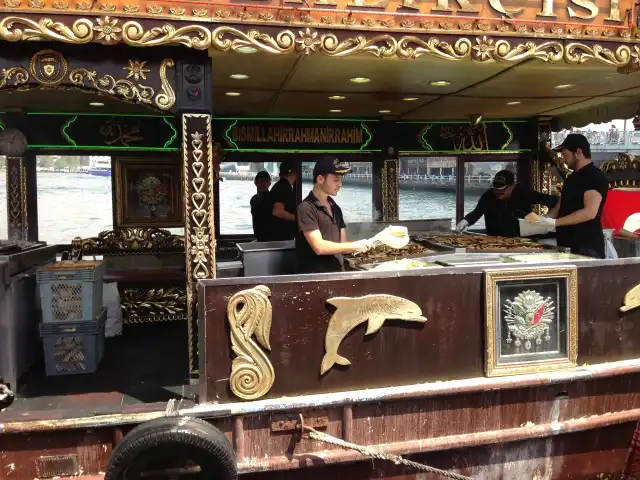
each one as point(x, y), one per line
point(148, 193)
point(531, 320)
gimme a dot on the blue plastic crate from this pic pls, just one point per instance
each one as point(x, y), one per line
point(71, 348)
point(71, 291)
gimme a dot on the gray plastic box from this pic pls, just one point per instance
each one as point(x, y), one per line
point(72, 348)
point(71, 291)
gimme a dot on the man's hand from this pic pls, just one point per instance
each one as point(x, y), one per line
point(361, 246)
point(462, 226)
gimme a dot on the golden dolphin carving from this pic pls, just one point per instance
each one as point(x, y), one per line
point(631, 299)
point(352, 311)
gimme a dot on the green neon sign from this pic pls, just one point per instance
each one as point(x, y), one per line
point(107, 132)
point(297, 135)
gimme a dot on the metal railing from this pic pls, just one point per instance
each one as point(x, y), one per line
point(483, 180)
point(612, 140)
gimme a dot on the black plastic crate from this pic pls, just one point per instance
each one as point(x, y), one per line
point(72, 348)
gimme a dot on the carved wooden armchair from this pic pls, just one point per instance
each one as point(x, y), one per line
point(148, 265)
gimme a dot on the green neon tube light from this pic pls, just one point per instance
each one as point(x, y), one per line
point(102, 147)
point(284, 150)
point(458, 122)
point(465, 152)
point(73, 144)
point(175, 132)
point(296, 119)
point(64, 114)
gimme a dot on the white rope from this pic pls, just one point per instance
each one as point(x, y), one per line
point(369, 452)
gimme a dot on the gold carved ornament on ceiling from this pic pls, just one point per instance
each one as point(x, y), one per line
point(50, 69)
point(481, 48)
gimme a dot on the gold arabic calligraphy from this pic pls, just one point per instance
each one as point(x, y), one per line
point(466, 138)
point(120, 134)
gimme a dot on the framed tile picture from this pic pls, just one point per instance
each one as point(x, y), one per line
point(148, 193)
point(531, 320)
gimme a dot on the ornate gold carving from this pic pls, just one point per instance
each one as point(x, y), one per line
point(166, 98)
point(624, 162)
point(154, 10)
point(249, 313)
point(137, 70)
point(353, 311)
point(140, 305)
point(81, 77)
point(129, 241)
point(36, 4)
point(48, 67)
point(17, 199)
point(85, 6)
point(192, 36)
point(266, 16)
point(631, 299)
point(108, 30)
point(12, 3)
point(131, 8)
point(108, 7)
point(390, 189)
point(225, 38)
point(198, 174)
point(177, 11)
point(199, 235)
point(60, 5)
point(14, 77)
point(623, 171)
point(200, 12)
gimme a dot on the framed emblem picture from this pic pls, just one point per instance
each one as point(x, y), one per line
point(148, 193)
point(531, 320)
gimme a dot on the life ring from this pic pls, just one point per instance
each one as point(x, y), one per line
point(175, 446)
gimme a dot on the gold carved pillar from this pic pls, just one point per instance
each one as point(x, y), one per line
point(390, 189)
point(540, 161)
point(17, 203)
point(199, 231)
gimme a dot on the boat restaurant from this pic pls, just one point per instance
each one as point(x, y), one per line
point(174, 345)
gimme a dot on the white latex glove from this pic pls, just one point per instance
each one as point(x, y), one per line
point(362, 246)
point(462, 226)
point(548, 222)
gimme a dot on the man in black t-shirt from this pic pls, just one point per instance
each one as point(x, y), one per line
point(504, 204)
point(262, 207)
point(283, 196)
point(322, 238)
point(577, 217)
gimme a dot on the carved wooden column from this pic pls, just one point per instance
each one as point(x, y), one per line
point(20, 183)
point(198, 168)
point(17, 204)
point(541, 133)
point(390, 189)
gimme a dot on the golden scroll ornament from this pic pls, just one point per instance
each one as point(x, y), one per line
point(631, 299)
point(353, 311)
point(249, 313)
point(129, 241)
point(482, 49)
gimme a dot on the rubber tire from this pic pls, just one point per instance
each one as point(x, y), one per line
point(204, 442)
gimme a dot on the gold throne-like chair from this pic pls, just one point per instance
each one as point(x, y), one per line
point(148, 265)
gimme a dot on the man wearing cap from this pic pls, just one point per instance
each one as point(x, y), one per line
point(322, 237)
point(262, 207)
point(577, 216)
point(283, 196)
point(504, 204)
